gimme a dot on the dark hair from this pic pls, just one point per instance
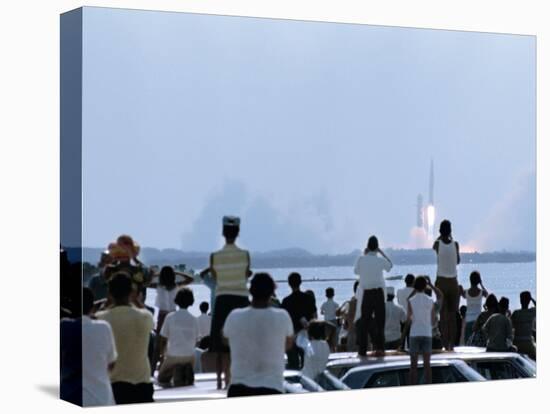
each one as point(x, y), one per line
point(428, 291)
point(409, 280)
point(294, 280)
point(525, 298)
point(310, 293)
point(372, 244)
point(230, 232)
point(503, 304)
point(316, 330)
point(491, 303)
point(445, 228)
point(120, 285)
point(355, 285)
point(262, 286)
point(205, 342)
point(87, 300)
point(204, 307)
point(167, 277)
point(329, 292)
point(475, 278)
point(420, 284)
point(184, 298)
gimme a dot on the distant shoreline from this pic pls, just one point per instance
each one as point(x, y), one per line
point(299, 258)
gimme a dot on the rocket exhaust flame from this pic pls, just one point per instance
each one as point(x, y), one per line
point(430, 216)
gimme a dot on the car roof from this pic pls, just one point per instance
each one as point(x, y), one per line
point(462, 353)
point(405, 363)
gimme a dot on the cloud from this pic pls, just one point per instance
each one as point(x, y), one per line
point(418, 239)
point(511, 222)
point(307, 223)
point(205, 232)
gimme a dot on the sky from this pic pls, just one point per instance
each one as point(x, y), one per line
point(317, 135)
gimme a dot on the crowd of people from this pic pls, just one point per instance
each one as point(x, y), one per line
point(245, 337)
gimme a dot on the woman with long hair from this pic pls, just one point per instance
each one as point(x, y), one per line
point(448, 258)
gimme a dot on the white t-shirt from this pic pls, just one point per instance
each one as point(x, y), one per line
point(328, 309)
point(182, 331)
point(395, 316)
point(204, 322)
point(165, 299)
point(370, 268)
point(422, 306)
point(315, 358)
point(402, 296)
point(257, 338)
point(98, 351)
point(447, 259)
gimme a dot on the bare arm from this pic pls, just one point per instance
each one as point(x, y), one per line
point(436, 246)
point(484, 291)
point(437, 291)
point(341, 311)
point(461, 291)
point(211, 267)
point(187, 279)
point(385, 257)
point(457, 253)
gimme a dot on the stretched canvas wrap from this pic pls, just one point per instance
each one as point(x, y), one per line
point(256, 206)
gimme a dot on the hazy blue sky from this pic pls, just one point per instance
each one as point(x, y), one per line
point(316, 134)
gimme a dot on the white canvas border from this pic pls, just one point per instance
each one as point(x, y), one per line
point(30, 208)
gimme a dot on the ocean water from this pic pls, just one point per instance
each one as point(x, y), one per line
point(502, 279)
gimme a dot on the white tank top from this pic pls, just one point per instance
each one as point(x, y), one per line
point(421, 306)
point(473, 306)
point(447, 259)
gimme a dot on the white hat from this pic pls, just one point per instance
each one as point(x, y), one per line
point(390, 290)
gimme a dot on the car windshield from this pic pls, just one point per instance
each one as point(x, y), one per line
point(529, 367)
point(339, 370)
point(504, 368)
point(399, 376)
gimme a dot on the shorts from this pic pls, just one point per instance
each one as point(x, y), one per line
point(420, 345)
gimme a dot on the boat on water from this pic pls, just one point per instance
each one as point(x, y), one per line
point(394, 277)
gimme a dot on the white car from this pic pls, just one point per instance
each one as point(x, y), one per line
point(396, 373)
point(491, 365)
